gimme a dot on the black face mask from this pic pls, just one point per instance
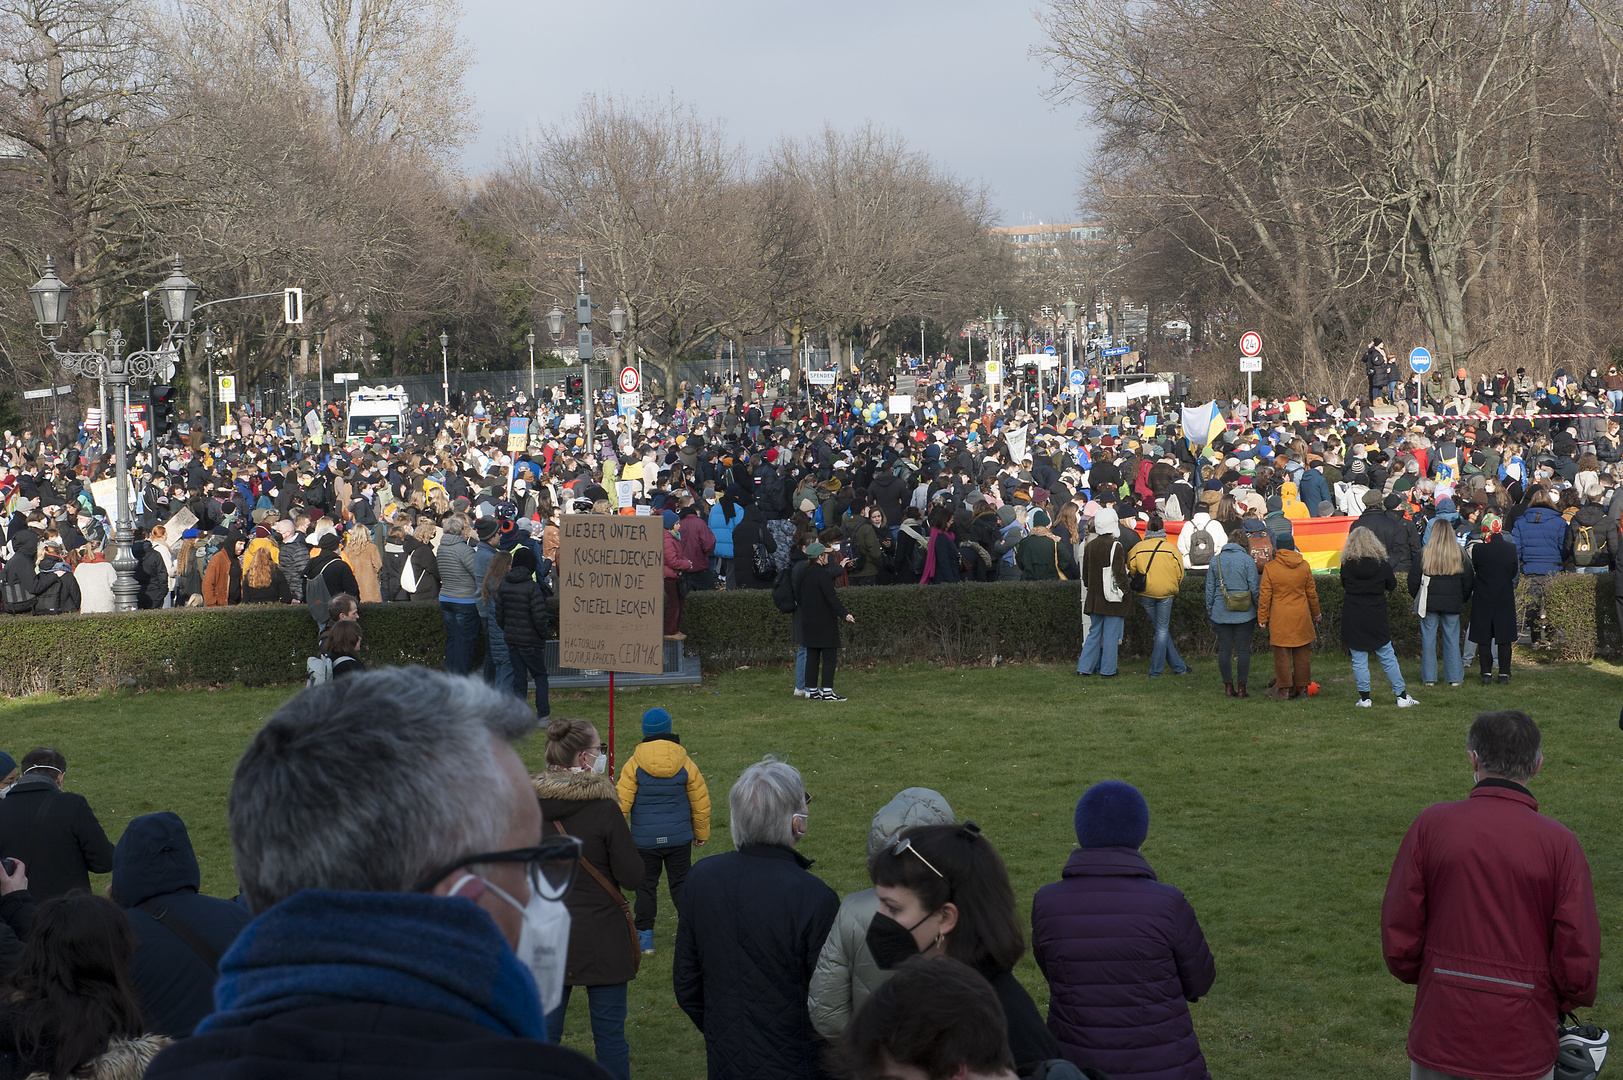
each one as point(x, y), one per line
point(890, 942)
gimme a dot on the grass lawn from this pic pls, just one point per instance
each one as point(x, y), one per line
point(1278, 819)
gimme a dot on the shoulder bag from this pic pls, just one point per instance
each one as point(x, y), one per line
point(619, 899)
point(1107, 579)
point(1139, 580)
point(1233, 601)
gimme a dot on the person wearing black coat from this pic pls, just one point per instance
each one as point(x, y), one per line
point(1391, 529)
point(820, 611)
point(151, 574)
point(750, 531)
point(52, 832)
point(1493, 599)
point(180, 934)
point(519, 607)
point(1366, 579)
point(20, 582)
point(17, 909)
point(751, 927)
point(1445, 599)
point(333, 569)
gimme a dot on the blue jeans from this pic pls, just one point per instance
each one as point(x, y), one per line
point(461, 631)
point(1453, 665)
point(608, 1010)
point(800, 667)
point(1159, 611)
point(1614, 398)
point(1389, 664)
point(1099, 650)
point(525, 663)
point(498, 665)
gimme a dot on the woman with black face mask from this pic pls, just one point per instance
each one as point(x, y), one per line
point(943, 889)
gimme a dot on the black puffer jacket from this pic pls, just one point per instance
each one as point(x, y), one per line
point(19, 578)
point(889, 493)
point(752, 923)
point(293, 557)
point(521, 610)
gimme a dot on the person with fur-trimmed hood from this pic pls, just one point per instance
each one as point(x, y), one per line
point(667, 805)
point(577, 799)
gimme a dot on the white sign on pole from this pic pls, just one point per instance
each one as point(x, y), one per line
point(64, 390)
point(1250, 363)
point(570, 420)
point(1114, 400)
point(899, 403)
point(1251, 343)
point(822, 378)
point(994, 371)
point(630, 401)
point(628, 380)
point(29, 395)
point(228, 388)
point(625, 491)
point(1155, 388)
point(312, 423)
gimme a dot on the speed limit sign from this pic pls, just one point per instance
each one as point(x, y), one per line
point(628, 380)
point(1250, 343)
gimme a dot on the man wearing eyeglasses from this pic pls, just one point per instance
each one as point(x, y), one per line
point(409, 917)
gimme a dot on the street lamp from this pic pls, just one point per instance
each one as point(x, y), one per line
point(999, 321)
point(208, 355)
point(321, 375)
point(1069, 308)
point(617, 326)
point(583, 340)
point(106, 360)
point(529, 339)
point(445, 366)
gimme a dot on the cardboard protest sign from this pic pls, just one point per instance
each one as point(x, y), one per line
point(611, 593)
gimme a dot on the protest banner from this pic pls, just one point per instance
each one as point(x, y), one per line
point(611, 593)
point(518, 433)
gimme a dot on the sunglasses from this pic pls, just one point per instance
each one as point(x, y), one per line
point(548, 867)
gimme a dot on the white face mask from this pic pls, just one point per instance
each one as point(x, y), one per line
point(543, 943)
point(601, 765)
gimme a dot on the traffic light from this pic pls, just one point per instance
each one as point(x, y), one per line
point(163, 403)
point(575, 388)
point(1031, 373)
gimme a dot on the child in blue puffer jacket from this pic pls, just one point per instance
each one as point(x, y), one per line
point(667, 806)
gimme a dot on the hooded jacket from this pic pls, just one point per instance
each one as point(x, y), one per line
point(20, 573)
point(602, 950)
point(1287, 600)
point(155, 873)
point(889, 493)
point(222, 580)
point(520, 609)
point(1123, 955)
point(663, 795)
point(1602, 536)
point(846, 973)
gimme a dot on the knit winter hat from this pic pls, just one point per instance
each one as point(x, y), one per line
point(1106, 522)
point(656, 722)
point(1112, 813)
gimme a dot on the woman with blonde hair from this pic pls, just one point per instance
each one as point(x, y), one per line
point(365, 561)
point(1441, 581)
point(1366, 578)
point(263, 582)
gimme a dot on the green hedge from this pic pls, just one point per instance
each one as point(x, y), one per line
point(986, 623)
point(945, 624)
point(253, 645)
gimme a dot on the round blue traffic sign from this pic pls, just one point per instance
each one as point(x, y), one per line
point(1077, 379)
point(1050, 351)
point(1420, 360)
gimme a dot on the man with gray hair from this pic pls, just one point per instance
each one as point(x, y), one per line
point(752, 924)
point(409, 917)
point(1490, 911)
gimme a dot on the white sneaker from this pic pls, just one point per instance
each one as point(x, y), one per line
point(1364, 703)
point(803, 693)
point(1405, 701)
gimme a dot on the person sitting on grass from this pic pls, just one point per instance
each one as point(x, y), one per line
point(666, 803)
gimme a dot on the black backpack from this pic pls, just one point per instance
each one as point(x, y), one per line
point(784, 589)
point(60, 597)
point(1201, 548)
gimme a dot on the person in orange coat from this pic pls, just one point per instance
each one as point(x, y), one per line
point(222, 581)
point(1288, 608)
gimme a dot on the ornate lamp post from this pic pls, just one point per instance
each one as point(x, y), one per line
point(529, 339)
point(1069, 307)
point(106, 360)
point(445, 366)
point(583, 340)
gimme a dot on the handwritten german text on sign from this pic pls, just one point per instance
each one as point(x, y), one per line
point(611, 576)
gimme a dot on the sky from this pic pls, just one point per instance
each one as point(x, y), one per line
point(954, 77)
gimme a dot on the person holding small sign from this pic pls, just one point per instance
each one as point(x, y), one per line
point(820, 615)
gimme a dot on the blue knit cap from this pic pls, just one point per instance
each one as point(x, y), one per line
point(656, 722)
point(1112, 813)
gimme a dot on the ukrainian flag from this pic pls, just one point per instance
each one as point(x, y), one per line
point(1202, 423)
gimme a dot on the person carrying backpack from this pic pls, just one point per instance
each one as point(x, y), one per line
point(59, 589)
point(1591, 537)
point(1201, 539)
point(667, 805)
point(20, 581)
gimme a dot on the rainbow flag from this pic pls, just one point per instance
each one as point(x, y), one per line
point(1320, 540)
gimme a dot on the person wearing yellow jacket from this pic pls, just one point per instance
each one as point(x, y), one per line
point(1158, 560)
point(667, 807)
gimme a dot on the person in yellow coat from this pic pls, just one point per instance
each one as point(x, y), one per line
point(1290, 502)
point(667, 806)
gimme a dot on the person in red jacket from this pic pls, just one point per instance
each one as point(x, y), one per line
point(1490, 911)
point(675, 562)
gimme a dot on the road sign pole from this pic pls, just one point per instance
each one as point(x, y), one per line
point(1248, 397)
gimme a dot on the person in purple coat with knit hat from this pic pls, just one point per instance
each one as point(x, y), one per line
point(1123, 953)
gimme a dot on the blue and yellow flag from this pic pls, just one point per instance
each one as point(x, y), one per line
point(1202, 424)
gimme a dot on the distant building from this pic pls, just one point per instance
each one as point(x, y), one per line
point(1046, 241)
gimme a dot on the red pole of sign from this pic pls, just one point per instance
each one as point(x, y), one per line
point(611, 722)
